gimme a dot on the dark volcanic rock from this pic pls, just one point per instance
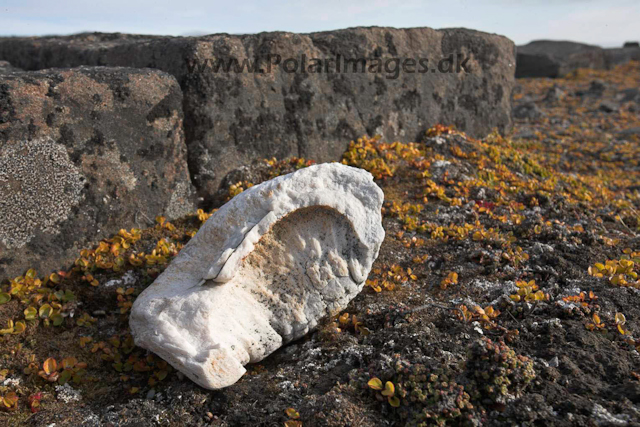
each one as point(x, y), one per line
point(37, 53)
point(595, 90)
point(6, 67)
point(554, 94)
point(597, 87)
point(629, 94)
point(527, 109)
point(609, 107)
point(622, 55)
point(84, 153)
point(549, 58)
point(232, 118)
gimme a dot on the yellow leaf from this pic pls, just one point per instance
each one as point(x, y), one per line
point(620, 319)
point(10, 399)
point(394, 401)
point(30, 313)
point(389, 389)
point(292, 413)
point(45, 311)
point(49, 366)
point(9, 329)
point(19, 327)
point(375, 383)
point(596, 319)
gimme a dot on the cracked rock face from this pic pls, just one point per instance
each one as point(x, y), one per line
point(262, 271)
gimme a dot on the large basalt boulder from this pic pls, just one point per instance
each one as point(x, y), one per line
point(232, 117)
point(262, 271)
point(551, 58)
point(617, 56)
point(84, 153)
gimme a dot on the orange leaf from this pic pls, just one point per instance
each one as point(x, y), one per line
point(50, 366)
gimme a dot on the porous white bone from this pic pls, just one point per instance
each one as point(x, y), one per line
point(262, 271)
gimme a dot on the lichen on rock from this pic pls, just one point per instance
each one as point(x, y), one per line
point(39, 185)
point(112, 137)
point(262, 271)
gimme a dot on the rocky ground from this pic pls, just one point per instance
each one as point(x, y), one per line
point(505, 292)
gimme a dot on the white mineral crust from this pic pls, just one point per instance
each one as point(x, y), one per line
point(262, 271)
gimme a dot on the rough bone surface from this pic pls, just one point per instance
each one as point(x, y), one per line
point(262, 271)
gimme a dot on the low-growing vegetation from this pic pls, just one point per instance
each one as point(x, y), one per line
point(505, 293)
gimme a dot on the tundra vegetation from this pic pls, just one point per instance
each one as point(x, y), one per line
point(505, 291)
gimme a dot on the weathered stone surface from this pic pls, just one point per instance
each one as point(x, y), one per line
point(550, 58)
point(622, 55)
point(232, 118)
point(6, 67)
point(526, 109)
point(84, 153)
point(262, 271)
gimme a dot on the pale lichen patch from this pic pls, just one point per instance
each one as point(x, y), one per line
point(179, 203)
point(39, 186)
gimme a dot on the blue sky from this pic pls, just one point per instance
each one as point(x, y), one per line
point(605, 23)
